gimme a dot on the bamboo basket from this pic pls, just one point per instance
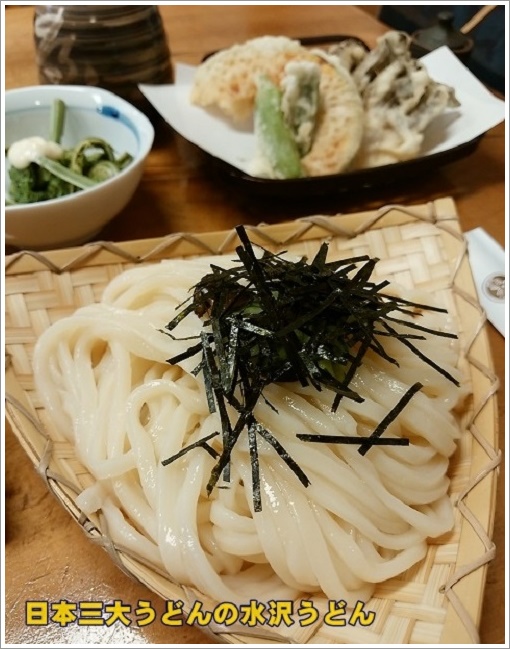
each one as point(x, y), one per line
point(437, 601)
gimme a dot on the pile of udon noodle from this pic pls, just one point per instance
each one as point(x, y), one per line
point(342, 107)
point(104, 379)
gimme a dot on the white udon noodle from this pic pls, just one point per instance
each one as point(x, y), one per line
point(104, 380)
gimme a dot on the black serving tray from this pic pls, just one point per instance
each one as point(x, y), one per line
point(349, 181)
point(345, 182)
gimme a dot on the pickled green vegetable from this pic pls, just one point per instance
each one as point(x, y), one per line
point(90, 162)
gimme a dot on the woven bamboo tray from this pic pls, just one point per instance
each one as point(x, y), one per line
point(437, 601)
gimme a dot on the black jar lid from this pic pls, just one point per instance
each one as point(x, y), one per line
point(443, 33)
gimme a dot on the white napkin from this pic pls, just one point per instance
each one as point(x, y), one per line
point(487, 259)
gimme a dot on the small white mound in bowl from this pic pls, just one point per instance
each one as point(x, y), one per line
point(90, 112)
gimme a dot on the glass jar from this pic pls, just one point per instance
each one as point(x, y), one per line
point(112, 46)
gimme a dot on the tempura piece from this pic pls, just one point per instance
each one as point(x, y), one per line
point(399, 98)
point(228, 79)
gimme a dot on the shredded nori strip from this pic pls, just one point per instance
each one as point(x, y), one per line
point(255, 473)
point(353, 440)
point(390, 417)
point(201, 443)
point(269, 319)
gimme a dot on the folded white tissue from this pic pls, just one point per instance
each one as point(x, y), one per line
point(487, 260)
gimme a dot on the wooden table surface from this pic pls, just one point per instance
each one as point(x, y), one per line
point(46, 555)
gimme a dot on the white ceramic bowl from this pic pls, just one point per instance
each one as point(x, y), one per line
point(91, 111)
